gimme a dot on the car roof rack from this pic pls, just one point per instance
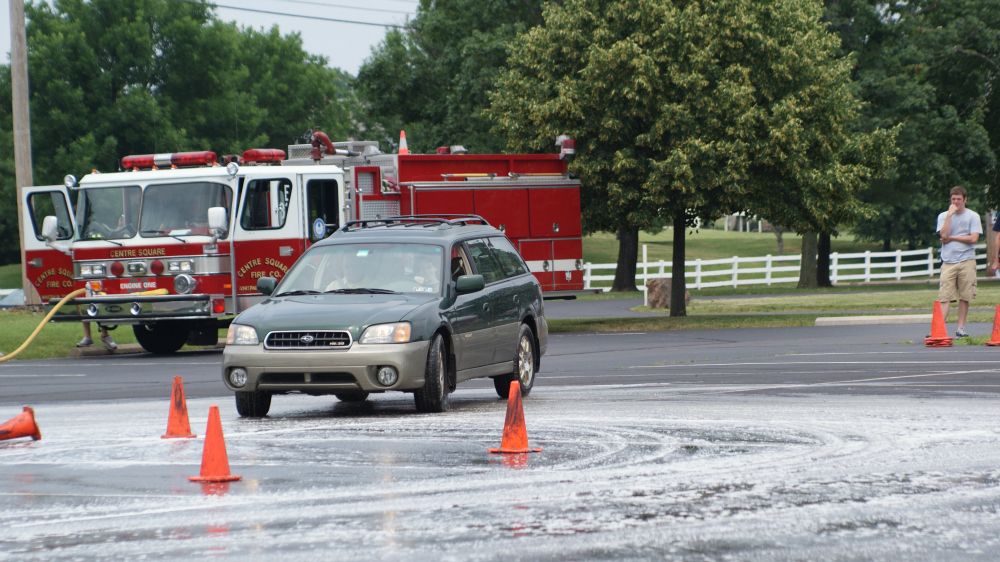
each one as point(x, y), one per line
point(440, 220)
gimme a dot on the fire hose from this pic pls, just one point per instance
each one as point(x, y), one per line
point(45, 321)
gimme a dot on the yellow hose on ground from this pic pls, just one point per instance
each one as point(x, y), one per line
point(45, 321)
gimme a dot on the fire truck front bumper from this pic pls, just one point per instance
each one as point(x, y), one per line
point(136, 309)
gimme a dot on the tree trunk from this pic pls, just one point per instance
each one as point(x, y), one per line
point(807, 269)
point(678, 284)
point(628, 255)
point(779, 232)
point(823, 261)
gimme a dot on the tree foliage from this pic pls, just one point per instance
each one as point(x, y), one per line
point(690, 109)
point(928, 68)
point(115, 77)
point(432, 78)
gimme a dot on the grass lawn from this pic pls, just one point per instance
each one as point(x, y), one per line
point(602, 247)
point(10, 276)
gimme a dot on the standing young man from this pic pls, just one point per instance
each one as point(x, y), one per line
point(959, 229)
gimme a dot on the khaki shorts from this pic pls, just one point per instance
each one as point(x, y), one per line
point(958, 281)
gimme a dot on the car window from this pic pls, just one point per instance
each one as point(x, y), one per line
point(459, 263)
point(508, 257)
point(359, 267)
point(482, 258)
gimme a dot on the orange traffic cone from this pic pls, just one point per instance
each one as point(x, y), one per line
point(177, 421)
point(214, 460)
point(515, 434)
point(403, 149)
point(21, 425)
point(995, 340)
point(939, 332)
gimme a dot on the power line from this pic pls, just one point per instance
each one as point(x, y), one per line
point(304, 16)
point(344, 6)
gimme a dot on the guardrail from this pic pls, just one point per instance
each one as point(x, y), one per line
point(767, 270)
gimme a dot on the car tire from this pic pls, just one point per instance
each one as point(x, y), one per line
point(253, 404)
point(161, 338)
point(433, 397)
point(352, 396)
point(524, 365)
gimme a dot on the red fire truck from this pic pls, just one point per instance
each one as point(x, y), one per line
point(173, 245)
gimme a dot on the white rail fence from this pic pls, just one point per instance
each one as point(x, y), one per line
point(767, 270)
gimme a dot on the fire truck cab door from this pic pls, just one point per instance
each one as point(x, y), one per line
point(269, 233)
point(49, 269)
point(324, 205)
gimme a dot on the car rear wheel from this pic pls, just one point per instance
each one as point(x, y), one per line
point(433, 397)
point(352, 396)
point(524, 365)
point(253, 404)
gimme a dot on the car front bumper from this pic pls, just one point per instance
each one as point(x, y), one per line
point(326, 371)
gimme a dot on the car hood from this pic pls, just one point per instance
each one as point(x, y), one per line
point(330, 312)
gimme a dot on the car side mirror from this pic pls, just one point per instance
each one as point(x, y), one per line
point(50, 229)
point(469, 284)
point(266, 285)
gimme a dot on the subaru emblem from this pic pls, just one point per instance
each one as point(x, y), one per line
point(306, 339)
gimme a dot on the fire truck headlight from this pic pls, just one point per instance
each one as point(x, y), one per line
point(184, 284)
point(240, 334)
point(69, 181)
point(232, 169)
point(93, 270)
point(180, 266)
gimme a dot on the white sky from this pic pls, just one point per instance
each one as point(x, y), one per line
point(345, 45)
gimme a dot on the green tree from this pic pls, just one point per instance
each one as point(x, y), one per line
point(928, 68)
point(116, 77)
point(687, 109)
point(432, 78)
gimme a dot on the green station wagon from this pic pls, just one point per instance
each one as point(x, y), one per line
point(414, 304)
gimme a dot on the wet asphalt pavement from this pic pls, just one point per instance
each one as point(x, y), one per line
point(841, 443)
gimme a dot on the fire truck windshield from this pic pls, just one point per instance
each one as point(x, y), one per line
point(178, 209)
point(109, 213)
point(371, 268)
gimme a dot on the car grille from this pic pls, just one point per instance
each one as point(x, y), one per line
point(317, 339)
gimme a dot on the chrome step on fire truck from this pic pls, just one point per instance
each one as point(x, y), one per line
point(173, 245)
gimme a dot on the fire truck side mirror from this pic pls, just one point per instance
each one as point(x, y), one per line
point(217, 219)
point(50, 229)
point(266, 285)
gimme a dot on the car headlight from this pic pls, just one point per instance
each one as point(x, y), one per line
point(239, 334)
point(398, 332)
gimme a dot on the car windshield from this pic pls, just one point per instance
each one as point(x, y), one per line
point(178, 209)
point(367, 268)
point(109, 213)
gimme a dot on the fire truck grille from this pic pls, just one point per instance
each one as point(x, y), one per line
point(323, 339)
point(376, 209)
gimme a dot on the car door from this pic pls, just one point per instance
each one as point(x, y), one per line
point(49, 270)
point(471, 316)
point(510, 298)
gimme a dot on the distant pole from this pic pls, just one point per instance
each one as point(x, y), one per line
point(22, 128)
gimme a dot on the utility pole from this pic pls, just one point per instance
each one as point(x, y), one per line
point(22, 129)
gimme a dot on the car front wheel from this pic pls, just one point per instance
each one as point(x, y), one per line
point(253, 404)
point(433, 397)
point(524, 365)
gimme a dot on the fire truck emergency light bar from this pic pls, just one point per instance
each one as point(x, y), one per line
point(174, 159)
point(262, 155)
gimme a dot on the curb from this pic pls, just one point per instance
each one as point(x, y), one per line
point(872, 320)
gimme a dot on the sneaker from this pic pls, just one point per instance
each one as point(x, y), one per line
point(960, 333)
point(109, 343)
point(85, 342)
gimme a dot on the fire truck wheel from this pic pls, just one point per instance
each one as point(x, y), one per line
point(355, 396)
point(433, 397)
point(162, 338)
point(253, 404)
point(524, 365)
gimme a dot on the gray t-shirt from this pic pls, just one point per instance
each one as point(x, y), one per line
point(962, 224)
